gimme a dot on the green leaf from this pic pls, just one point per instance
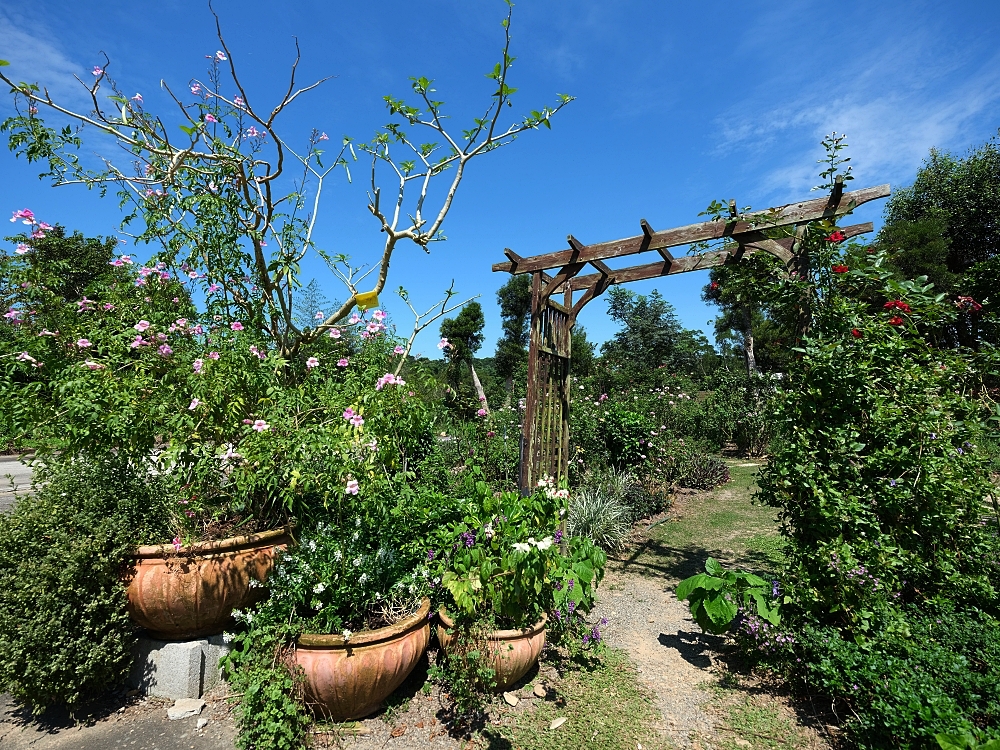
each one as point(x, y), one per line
point(712, 567)
point(4, 63)
point(699, 581)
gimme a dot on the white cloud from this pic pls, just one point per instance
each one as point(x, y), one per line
point(34, 57)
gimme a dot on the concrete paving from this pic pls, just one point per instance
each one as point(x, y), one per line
point(14, 474)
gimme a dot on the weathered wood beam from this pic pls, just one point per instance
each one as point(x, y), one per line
point(699, 262)
point(794, 213)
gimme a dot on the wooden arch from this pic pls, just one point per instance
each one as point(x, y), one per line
point(545, 433)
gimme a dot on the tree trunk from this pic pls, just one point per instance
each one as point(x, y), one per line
point(748, 343)
point(479, 387)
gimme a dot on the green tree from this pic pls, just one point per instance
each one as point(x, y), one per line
point(514, 299)
point(651, 335)
point(465, 336)
point(582, 349)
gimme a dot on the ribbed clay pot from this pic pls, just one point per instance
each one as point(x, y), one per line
point(192, 592)
point(350, 679)
point(513, 652)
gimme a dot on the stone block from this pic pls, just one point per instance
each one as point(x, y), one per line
point(177, 669)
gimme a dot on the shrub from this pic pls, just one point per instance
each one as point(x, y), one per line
point(601, 515)
point(64, 633)
point(700, 471)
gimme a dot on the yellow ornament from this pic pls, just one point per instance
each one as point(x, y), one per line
point(367, 300)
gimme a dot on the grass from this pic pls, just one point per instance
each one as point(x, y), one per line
point(604, 704)
point(757, 720)
point(723, 523)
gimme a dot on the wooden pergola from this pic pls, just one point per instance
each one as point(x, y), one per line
point(545, 434)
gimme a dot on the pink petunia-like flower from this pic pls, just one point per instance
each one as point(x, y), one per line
point(398, 350)
point(21, 249)
point(92, 365)
point(198, 364)
point(97, 70)
point(357, 420)
point(220, 57)
point(312, 362)
point(348, 413)
point(25, 357)
point(379, 315)
point(177, 544)
point(352, 487)
point(137, 342)
point(82, 343)
point(334, 333)
point(236, 326)
point(107, 307)
point(210, 118)
point(260, 425)
point(213, 288)
point(481, 413)
point(213, 355)
point(355, 318)
point(142, 325)
point(319, 315)
point(165, 350)
point(26, 215)
point(342, 362)
point(137, 98)
point(323, 137)
point(194, 404)
point(443, 344)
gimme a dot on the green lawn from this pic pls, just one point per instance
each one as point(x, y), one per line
point(723, 523)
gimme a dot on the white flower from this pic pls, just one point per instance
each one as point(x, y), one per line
point(319, 588)
point(355, 537)
point(338, 555)
point(357, 521)
point(357, 561)
point(227, 637)
point(312, 545)
point(520, 547)
point(545, 543)
point(363, 578)
point(347, 634)
point(255, 584)
point(437, 580)
point(488, 530)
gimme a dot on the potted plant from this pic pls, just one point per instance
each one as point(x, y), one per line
point(508, 572)
point(348, 618)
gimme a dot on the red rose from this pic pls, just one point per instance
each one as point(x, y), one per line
point(856, 333)
point(895, 320)
point(837, 236)
point(840, 268)
point(897, 305)
point(714, 285)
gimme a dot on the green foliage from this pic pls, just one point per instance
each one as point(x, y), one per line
point(65, 635)
point(601, 514)
point(701, 471)
point(514, 299)
point(466, 670)
point(717, 596)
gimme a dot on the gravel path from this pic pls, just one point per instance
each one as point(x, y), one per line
point(672, 655)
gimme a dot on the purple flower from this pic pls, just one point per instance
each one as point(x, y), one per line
point(430, 555)
point(558, 536)
point(569, 585)
point(469, 538)
point(775, 590)
point(571, 606)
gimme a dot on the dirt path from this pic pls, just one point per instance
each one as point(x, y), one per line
point(674, 659)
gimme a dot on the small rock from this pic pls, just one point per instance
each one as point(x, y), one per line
point(202, 723)
point(511, 699)
point(556, 723)
point(742, 742)
point(185, 707)
point(540, 690)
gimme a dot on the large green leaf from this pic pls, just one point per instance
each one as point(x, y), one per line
point(699, 581)
point(712, 567)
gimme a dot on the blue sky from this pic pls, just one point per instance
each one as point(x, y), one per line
point(677, 104)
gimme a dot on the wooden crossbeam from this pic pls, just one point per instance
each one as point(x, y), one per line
point(698, 262)
point(794, 213)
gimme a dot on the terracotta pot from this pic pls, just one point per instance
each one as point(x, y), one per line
point(193, 591)
point(349, 680)
point(513, 652)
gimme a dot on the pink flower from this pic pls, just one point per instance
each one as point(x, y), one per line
point(21, 248)
point(82, 343)
point(260, 425)
point(348, 413)
point(238, 101)
point(481, 413)
point(323, 137)
point(192, 274)
point(342, 362)
point(319, 315)
point(92, 365)
point(108, 307)
point(25, 357)
point(334, 333)
point(220, 57)
point(352, 487)
point(379, 316)
point(194, 404)
point(213, 288)
point(357, 420)
point(312, 362)
point(213, 355)
point(210, 118)
point(177, 544)
point(137, 98)
point(355, 318)
point(198, 364)
point(604, 397)
point(196, 88)
point(398, 350)
point(26, 214)
point(443, 344)
point(258, 352)
point(97, 70)
point(142, 325)
point(236, 326)
point(165, 350)
point(161, 337)
point(137, 342)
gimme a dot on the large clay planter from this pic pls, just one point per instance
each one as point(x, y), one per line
point(350, 679)
point(513, 652)
point(192, 592)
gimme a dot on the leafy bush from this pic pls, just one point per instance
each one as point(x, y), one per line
point(718, 596)
point(700, 471)
point(64, 633)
